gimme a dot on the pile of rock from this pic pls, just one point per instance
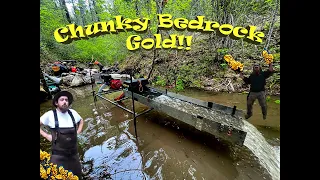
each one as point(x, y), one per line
point(74, 79)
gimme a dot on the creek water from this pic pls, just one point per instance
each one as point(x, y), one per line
point(169, 150)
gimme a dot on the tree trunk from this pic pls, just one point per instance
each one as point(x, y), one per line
point(65, 8)
point(271, 26)
point(155, 54)
point(75, 9)
point(82, 6)
point(95, 10)
point(137, 8)
point(93, 16)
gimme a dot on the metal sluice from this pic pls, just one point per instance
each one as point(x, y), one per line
point(218, 120)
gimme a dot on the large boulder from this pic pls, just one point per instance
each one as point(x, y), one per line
point(76, 79)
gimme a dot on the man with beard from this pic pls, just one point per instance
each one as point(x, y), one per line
point(65, 124)
point(257, 81)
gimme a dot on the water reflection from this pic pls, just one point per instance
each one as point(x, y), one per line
point(117, 156)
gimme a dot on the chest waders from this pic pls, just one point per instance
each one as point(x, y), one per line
point(64, 146)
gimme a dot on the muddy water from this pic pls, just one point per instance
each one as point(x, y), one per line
point(270, 127)
point(164, 150)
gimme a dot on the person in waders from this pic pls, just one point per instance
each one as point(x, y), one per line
point(257, 81)
point(65, 123)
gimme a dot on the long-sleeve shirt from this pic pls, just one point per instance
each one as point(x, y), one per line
point(257, 81)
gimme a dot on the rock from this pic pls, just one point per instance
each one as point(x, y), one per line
point(229, 75)
point(67, 79)
point(64, 74)
point(87, 79)
point(76, 79)
point(87, 71)
point(208, 88)
point(208, 82)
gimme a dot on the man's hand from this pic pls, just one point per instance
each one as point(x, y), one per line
point(49, 137)
point(270, 67)
point(44, 134)
point(80, 126)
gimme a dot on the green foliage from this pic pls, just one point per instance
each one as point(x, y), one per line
point(224, 66)
point(267, 24)
point(179, 85)
point(178, 9)
point(109, 48)
point(189, 75)
point(268, 98)
point(137, 76)
point(160, 81)
point(274, 79)
point(196, 83)
point(276, 57)
point(275, 51)
point(262, 7)
point(50, 19)
point(222, 51)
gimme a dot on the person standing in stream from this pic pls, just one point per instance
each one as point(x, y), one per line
point(65, 125)
point(257, 81)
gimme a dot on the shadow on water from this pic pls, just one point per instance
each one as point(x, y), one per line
point(165, 149)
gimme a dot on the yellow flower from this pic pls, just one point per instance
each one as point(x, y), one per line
point(48, 158)
point(233, 64)
point(236, 65)
point(241, 67)
point(65, 172)
point(43, 173)
point(74, 178)
point(44, 155)
point(264, 53)
point(228, 58)
point(61, 170)
point(70, 174)
point(267, 57)
point(48, 170)
point(56, 173)
point(59, 176)
point(54, 170)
